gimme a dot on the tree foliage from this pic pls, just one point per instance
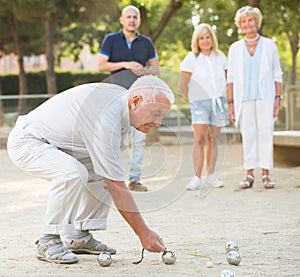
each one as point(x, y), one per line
point(282, 19)
point(281, 22)
point(169, 23)
point(71, 17)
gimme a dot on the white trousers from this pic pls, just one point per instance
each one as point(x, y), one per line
point(77, 199)
point(257, 127)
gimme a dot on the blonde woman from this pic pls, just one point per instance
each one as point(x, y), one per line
point(203, 83)
point(254, 94)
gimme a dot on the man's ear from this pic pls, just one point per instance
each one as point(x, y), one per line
point(135, 102)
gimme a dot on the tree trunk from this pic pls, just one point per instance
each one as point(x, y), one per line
point(23, 89)
point(173, 7)
point(1, 108)
point(253, 3)
point(22, 85)
point(256, 3)
point(294, 41)
point(50, 73)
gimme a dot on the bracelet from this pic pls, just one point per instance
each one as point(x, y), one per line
point(278, 97)
point(230, 101)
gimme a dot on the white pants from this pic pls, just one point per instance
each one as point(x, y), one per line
point(257, 135)
point(77, 199)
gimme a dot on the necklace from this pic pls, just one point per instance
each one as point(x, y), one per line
point(252, 39)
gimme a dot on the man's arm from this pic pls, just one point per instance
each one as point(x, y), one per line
point(105, 65)
point(129, 211)
point(153, 66)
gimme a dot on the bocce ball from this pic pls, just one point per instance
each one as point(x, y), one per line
point(169, 257)
point(227, 273)
point(234, 257)
point(104, 259)
point(231, 245)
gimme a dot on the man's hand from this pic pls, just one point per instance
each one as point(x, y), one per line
point(152, 242)
point(126, 205)
point(137, 68)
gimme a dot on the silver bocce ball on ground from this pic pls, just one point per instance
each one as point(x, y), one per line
point(231, 245)
point(227, 273)
point(234, 257)
point(104, 259)
point(169, 257)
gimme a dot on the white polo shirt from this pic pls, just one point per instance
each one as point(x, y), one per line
point(208, 75)
point(90, 120)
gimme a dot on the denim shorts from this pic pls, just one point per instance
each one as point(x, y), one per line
point(203, 112)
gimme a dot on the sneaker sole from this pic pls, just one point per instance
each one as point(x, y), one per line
point(87, 251)
point(133, 189)
point(42, 258)
point(218, 186)
point(198, 188)
point(215, 186)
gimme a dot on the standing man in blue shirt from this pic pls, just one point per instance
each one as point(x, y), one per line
point(129, 55)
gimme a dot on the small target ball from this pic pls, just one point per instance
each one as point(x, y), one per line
point(209, 264)
point(104, 259)
point(169, 257)
point(234, 257)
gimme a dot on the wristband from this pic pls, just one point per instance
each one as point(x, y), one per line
point(230, 101)
point(278, 97)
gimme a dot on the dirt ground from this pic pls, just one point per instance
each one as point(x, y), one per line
point(265, 223)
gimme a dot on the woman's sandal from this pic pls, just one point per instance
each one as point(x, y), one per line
point(267, 182)
point(247, 182)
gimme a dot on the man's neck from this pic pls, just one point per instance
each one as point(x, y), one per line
point(130, 35)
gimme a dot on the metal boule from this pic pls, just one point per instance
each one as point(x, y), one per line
point(231, 245)
point(169, 257)
point(104, 259)
point(234, 257)
point(227, 273)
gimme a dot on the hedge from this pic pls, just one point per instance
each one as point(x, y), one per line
point(36, 81)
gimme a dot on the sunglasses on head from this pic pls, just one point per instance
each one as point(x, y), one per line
point(246, 9)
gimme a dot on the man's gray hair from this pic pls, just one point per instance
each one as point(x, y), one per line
point(148, 86)
point(131, 7)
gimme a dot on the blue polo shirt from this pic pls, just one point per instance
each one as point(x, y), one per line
point(116, 48)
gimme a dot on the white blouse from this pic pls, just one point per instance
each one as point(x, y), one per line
point(208, 75)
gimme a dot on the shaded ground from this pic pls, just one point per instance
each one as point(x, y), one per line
point(265, 223)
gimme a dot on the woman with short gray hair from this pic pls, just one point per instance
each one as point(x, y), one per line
point(254, 94)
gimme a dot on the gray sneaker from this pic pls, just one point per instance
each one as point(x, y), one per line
point(137, 186)
point(53, 251)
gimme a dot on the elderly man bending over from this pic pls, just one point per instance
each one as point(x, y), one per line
point(74, 140)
